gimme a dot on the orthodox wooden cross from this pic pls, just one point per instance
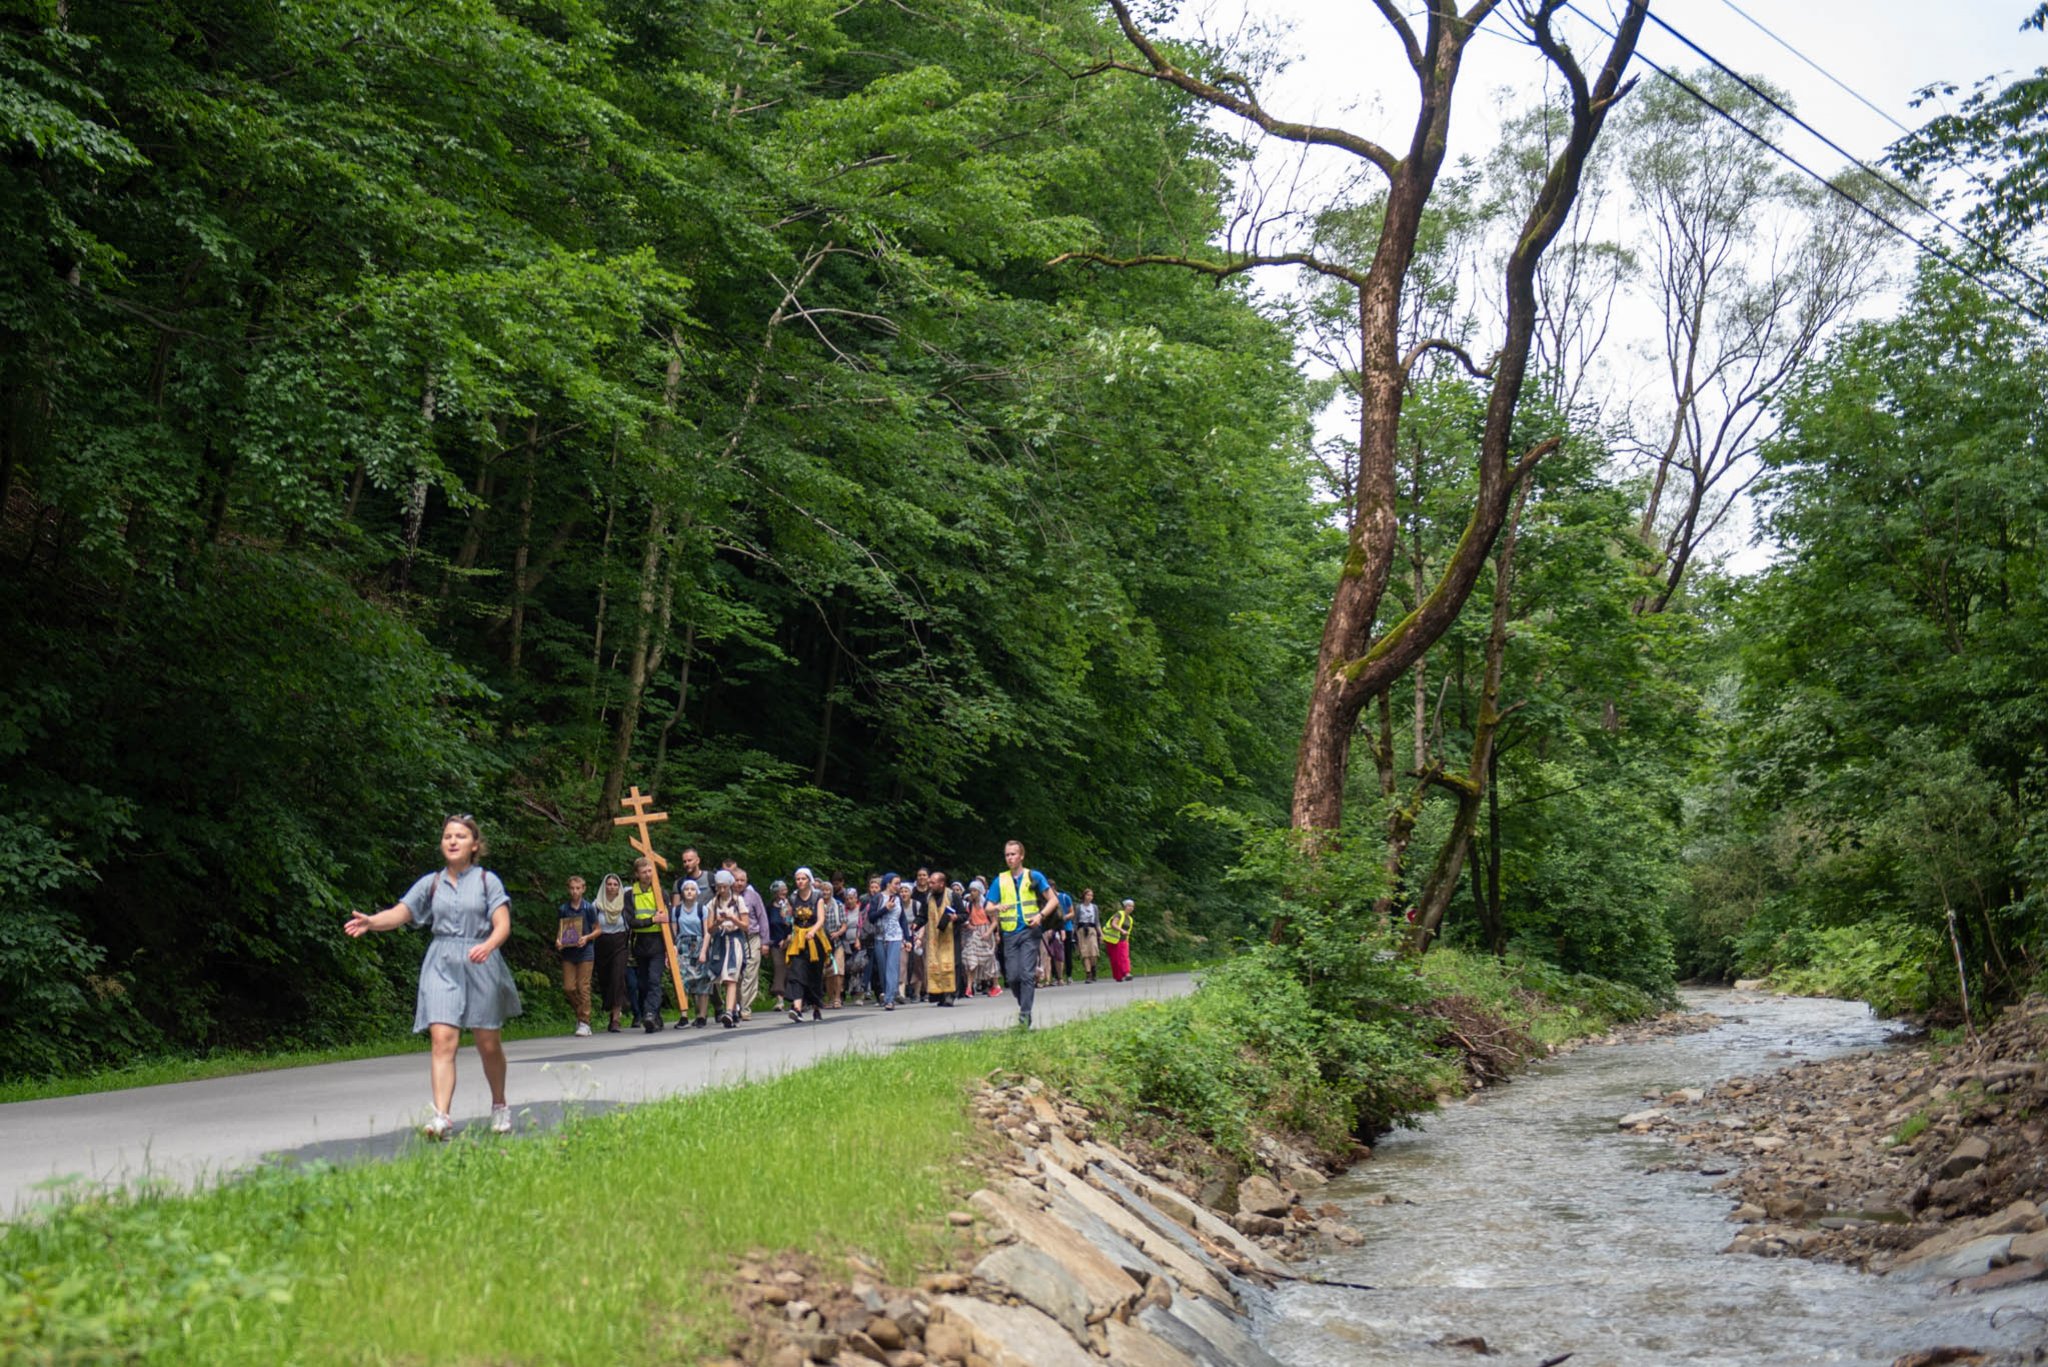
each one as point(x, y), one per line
point(640, 818)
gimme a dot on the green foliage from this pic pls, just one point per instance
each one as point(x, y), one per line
point(1329, 1038)
point(309, 727)
point(1548, 1002)
point(1998, 135)
point(1877, 803)
point(1894, 967)
point(1258, 1045)
point(378, 386)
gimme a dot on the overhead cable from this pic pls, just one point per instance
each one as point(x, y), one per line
point(1992, 253)
point(1937, 253)
point(1835, 80)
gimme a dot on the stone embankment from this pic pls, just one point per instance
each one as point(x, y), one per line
point(1074, 1252)
point(1925, 1163)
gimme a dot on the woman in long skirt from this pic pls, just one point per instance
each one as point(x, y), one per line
point(978, 952)
point(725, 944)
point(688, 920)
point(464, 983)
point(808, 950)
point(612, 950)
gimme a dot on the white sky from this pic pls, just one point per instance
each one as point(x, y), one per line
point(1346, 68)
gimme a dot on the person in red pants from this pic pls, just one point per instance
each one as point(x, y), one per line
point(1116, 939)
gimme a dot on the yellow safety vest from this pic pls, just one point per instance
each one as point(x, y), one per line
point(1012, 892)
point(645, 914)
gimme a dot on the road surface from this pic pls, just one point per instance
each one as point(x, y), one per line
point(186, 1132)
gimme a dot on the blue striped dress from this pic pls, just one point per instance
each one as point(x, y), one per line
point(454, 991)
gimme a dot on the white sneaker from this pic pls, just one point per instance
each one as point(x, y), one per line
point(582, 1029)
point(440, 1126)
point(501, 1120)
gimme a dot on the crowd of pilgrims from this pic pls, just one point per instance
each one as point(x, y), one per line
point(820, 944)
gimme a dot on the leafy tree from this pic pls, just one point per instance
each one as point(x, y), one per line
point(1359, 657)
point(481, 407)
point(1893, 724)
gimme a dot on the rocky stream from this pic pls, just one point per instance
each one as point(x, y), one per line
point(1734, 1195)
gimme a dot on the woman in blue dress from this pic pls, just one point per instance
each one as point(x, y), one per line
point(464, 982)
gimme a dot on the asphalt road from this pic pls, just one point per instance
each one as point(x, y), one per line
point(186, 1132)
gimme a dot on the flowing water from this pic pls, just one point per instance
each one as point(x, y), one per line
point(1530, 1221)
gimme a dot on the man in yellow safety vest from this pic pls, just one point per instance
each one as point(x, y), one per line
point(1024, 901)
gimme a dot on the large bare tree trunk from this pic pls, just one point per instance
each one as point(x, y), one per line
point(1354, 663)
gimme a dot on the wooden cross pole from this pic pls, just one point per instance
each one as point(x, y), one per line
point(636, 804)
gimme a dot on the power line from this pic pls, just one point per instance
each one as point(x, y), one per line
point(1901, 191)
point(1845, 87)
point(1931, 250)
point(1833, 79)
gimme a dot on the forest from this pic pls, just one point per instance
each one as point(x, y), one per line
point(880, 431)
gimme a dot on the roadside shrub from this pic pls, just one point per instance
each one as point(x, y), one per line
point(1892, 965)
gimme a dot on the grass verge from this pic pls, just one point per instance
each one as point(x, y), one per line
point(608, 1240)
